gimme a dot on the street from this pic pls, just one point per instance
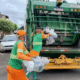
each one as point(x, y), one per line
point(45, 75)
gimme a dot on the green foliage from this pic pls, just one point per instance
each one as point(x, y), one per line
point(15, 27)
point(7, 26)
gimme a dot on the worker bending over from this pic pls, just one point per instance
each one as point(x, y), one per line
point(18, 54)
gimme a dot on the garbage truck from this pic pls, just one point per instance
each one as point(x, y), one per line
point(64, 18)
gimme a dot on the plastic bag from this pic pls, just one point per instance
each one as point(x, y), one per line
point(44, 60)
point(47, 29)
point(29, 65)
point(50, 40)
point(51, 31)
point(25, 63)
point(54, 35)
point(38, 64)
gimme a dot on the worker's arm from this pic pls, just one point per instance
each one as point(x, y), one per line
point(32, 34)
point(20, 54)
point(44, 36)
point(27, 52)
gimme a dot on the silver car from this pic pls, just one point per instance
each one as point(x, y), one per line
point(8, 42)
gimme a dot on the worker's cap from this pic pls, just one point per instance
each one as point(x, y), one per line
point(21, 33)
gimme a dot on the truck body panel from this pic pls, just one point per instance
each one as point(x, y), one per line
point(64, 19)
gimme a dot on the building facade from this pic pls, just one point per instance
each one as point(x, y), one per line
point(4, 16)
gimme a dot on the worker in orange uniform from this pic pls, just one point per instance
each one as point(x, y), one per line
point(37, 46)
point(18, 54)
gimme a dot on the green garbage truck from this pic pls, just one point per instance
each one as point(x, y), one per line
point(64, 18)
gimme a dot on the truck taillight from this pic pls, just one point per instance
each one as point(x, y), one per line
point(75, 10)
point(66, 50)
point(41, 7)
point(42, 50)
point(36, 6)
point(79, 10)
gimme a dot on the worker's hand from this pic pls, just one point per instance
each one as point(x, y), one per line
point(48, 34)
point(32, 34)
point(35, 56)
point(32, 59)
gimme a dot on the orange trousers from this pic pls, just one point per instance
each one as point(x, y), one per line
point(14, 74)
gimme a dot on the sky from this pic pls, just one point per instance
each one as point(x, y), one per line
point(16, 10)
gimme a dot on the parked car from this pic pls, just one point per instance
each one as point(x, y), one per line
point(8, 42)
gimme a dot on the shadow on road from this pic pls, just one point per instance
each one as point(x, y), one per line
point(60, 75)
point(7, 51)
point(61, 71)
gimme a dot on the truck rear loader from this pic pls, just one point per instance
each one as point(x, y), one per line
point(64, 18)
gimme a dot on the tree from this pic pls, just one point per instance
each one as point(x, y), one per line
point(15, 27)
point(7, 26)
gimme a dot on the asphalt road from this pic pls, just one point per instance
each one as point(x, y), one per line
point(45, 75)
